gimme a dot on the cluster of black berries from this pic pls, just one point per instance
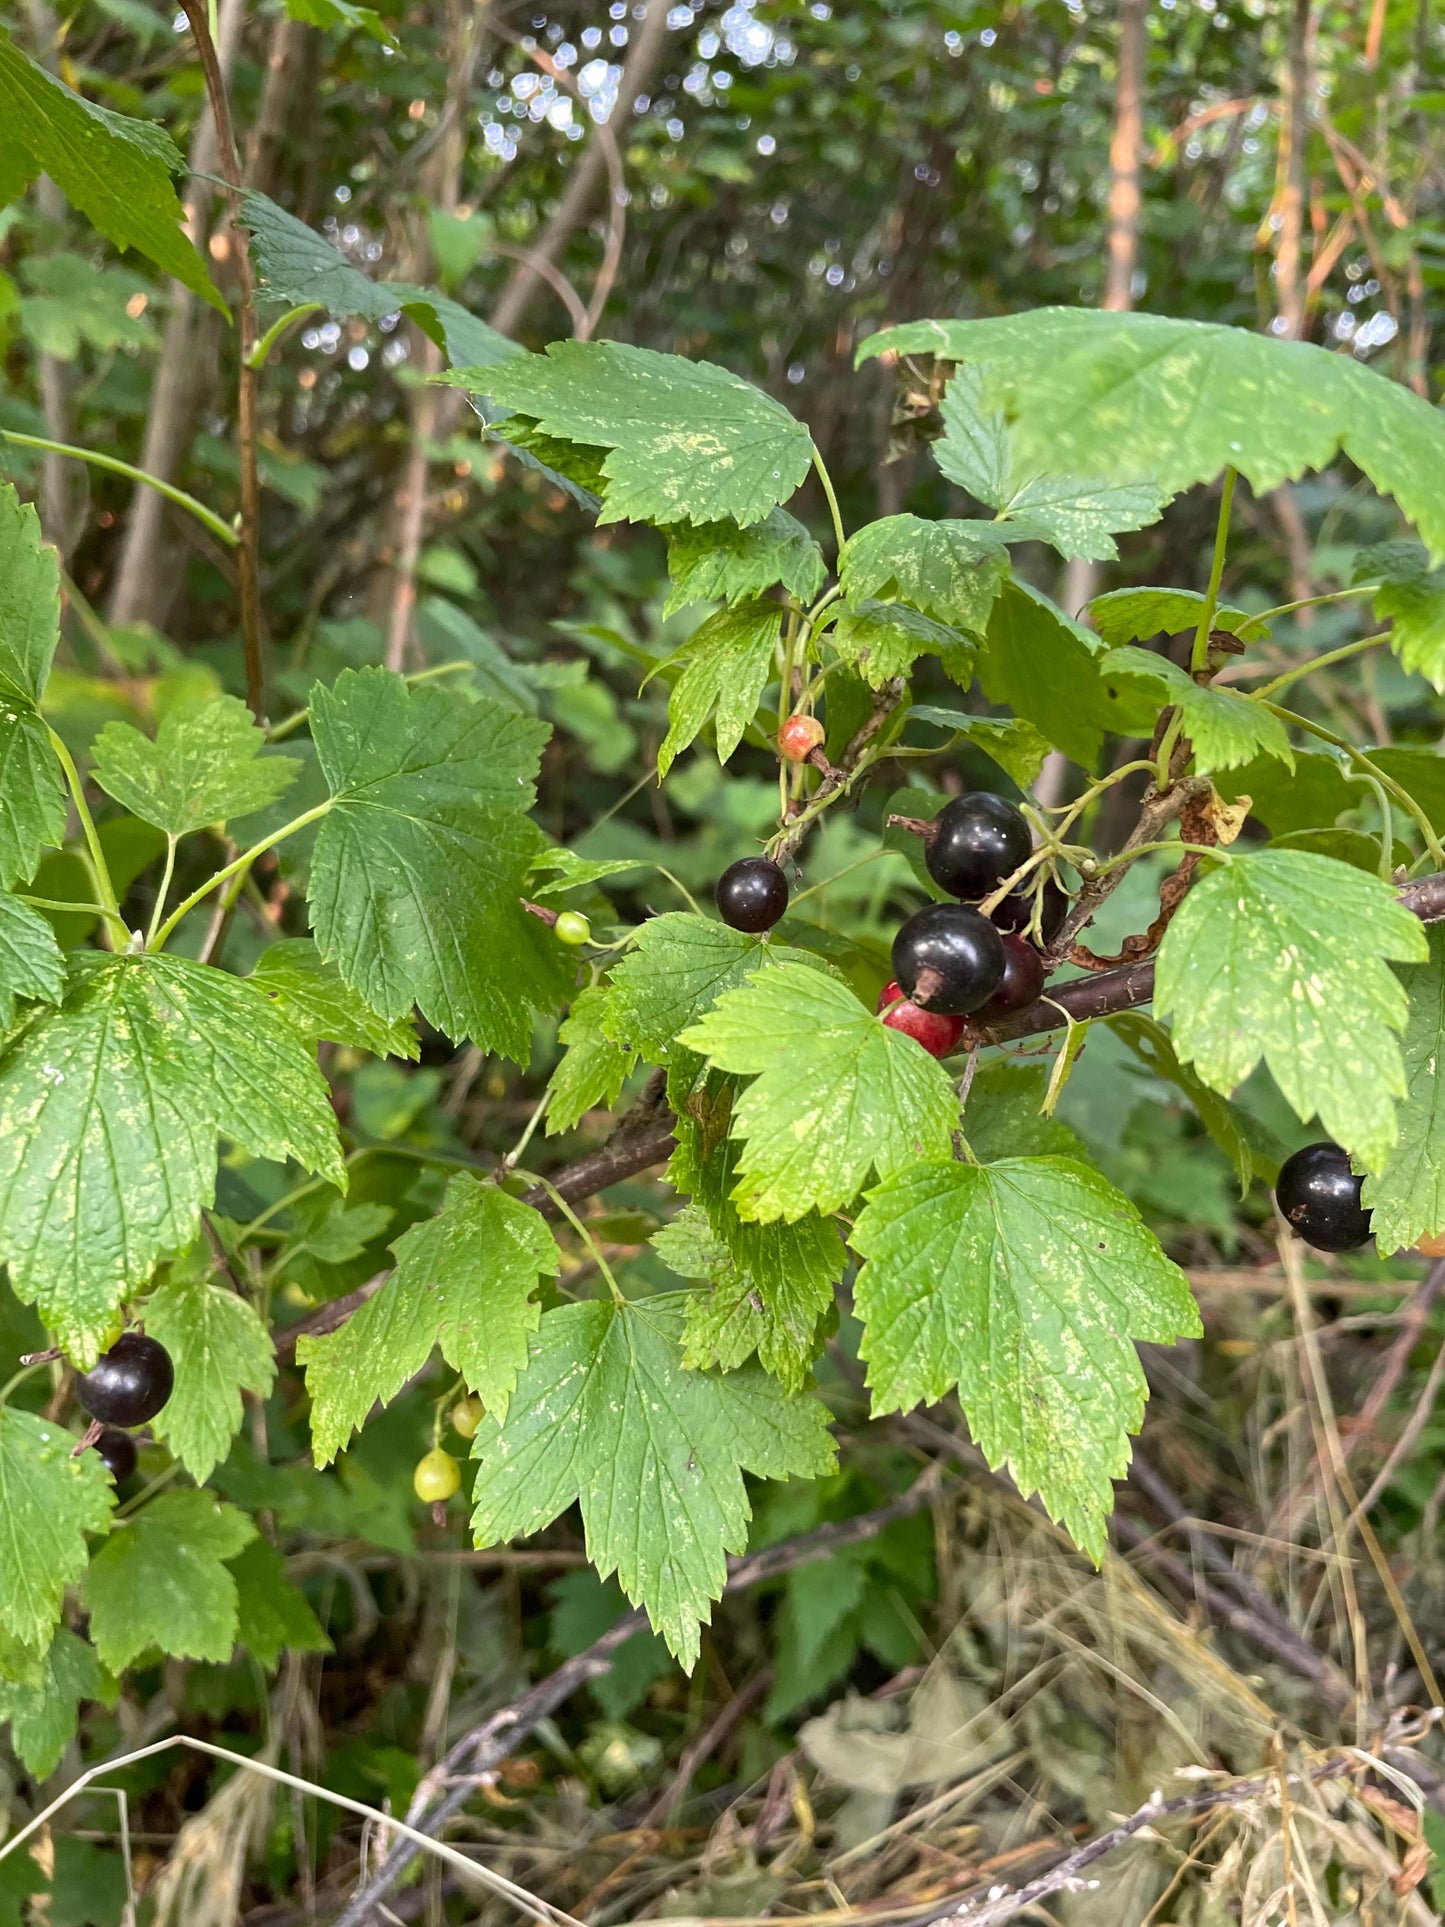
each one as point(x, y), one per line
point(126, 1386)
point(949, 960)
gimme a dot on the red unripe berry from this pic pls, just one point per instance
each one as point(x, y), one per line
point(938, 1033)
point(799, 737)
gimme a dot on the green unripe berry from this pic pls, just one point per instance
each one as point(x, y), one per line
point(467, 1415)
point(572, 927)
point(437, 1477)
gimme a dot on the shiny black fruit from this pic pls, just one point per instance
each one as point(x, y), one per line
point(1320, 1196)
point(1014, 913)
point(130, 1383)
point(976, 841)
point(948, 958)
point(1023, 980)
point(117, 1451)
point(751, 894)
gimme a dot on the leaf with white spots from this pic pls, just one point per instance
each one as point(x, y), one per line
point(593, 1067)
point(607, 1416)
point(835, 1095)
point(1284, 956)
point(677, 966)
point(1142, 397)
point(465, 1280)
point(110, 1108)
point(950, 570)
point(730, 659)
point(885, 639)
point(48, 1502)
point(205, 765)
point(314, 996)
point(1134, 615)
point(416, 883)
point(32, 789)
point(687, 441)
point(1407, 1199)
point(1024, 1284)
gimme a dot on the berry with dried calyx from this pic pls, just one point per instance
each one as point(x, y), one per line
point(1023, 980)
point(975, 842)
point(116, 1451)
point(437, 1477)
point(572, 927)
point(799, 736)
point(948, 958)
point(937, 1032)
point(751, 894)
point(1319, 1196)
point(128, 1384)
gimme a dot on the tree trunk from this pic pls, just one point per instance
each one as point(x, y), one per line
point(525, 282)
point(142, 588)
point(62, 482)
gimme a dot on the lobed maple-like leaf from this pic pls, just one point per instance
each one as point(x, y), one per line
point(160, 1581)
point(203, 766)
point(48, 1502)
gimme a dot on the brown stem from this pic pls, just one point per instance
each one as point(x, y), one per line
point(478, 1754)
point(249, 555)
point(1158, 812)
point(1124, 149)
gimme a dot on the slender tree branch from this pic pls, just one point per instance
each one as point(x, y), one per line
point(248, 381)
point(477, 1755)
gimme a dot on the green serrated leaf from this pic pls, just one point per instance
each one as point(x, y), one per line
point(44, 1719)
point(110, 1107)
point(1024, 1284)
point(48, 1502)
point(1226, 727)
point(720, 562)
point(32, 789)
point(464, 1280)
point(220, 1348)
point(1048, 669)
point(314, 996)
point(952, 571)
point(160, 1581)
point(1411, 598)
point(678, 965)
point(1281, 955)
point(688, 441)
point(116, 171)
point(885, 639)
point(1141, 397)
point(836, 1094)
point(1407, 1199)
point(1016, 746)
point(416, 880)
point(31, 964)
point(70, 303)
point(607, 1415)
point(1135, 615)
point(204, 766)
point(593, 1068)
point(730, 658)
point(273, 1616)
point(973, 449)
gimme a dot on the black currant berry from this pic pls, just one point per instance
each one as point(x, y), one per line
point(751, 894)
point(1014, 914)
point(116, 1450)
point(949, 958)
point(1320, 1196)
point(1023, 980)
point(130, 1383)
point(976, 841)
